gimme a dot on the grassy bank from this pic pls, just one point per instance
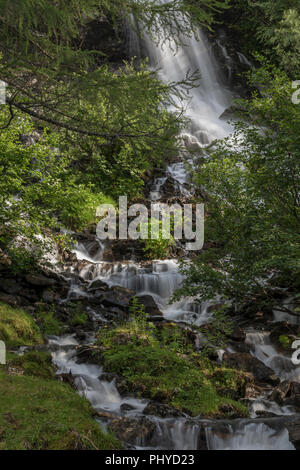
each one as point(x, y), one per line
point(37, 411)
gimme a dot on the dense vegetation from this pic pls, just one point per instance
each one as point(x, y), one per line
point(250, 183)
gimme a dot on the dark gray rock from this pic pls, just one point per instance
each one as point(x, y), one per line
point(39, 280)
point(161, 410)
point(98, 285)
point(133, 431)
point(150, 305)
point(10, 286)
point(248, 363)
point(118, 297)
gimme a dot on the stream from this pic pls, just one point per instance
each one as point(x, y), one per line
point(160, 279)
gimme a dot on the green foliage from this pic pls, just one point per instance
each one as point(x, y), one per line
point(271, 27)
point(49, 324)
point(252, 187)
point(41, 414)
point(17, 328)
point(37, 190)
point(219, 328)
point(285, 341)
point(79, 316)
point(159, 247)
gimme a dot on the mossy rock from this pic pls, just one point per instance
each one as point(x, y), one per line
point(184, 380)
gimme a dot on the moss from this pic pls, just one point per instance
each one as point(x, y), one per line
point(33, 363)
point(285, 341)
point(46, 414)
point(161, 371)
point(18, 328)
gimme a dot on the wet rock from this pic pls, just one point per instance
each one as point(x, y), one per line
point(237, 334)
point(115, 314)
point(97, 285)
point(104, 415)
point(293, 428)
point(126, 407)
point(240, 347)
point(107, 377)
point(279, 393)
point(286, 331)
point(39, 280)
point(89, 354)
point(150, 305)
point(248, 363)
point(133, 431)
point(214, 307)
point(232, 112)
point(287, 393)
point(82, 336)
point(293, 397)
point(265, 414)
point(67, 378)
point(161, 410)
point(229, 411)
point(252, 391)
point(50, 297)
point(118, 297)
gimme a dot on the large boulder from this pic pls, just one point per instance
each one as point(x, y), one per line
point(118, 297)
point(237, 334)
point(150, 305)
point(161, 410)
point(39, 280)
point(248, 363)
point(97, 285)
point(133, 431)
point(287, 393)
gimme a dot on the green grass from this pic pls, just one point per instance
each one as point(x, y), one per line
point(34, 363)
point(49, 324)
point(18, 328)
point(186, 381)
point(37, 413)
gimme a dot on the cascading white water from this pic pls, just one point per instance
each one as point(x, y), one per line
point(160, 279)
point(250, 436)
point(209, 100)
point(265, 351)
point(103, 395)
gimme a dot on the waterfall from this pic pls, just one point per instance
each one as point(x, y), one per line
point(161, 278)
point(265, 351)
point(248, 436)
point(207, 101)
